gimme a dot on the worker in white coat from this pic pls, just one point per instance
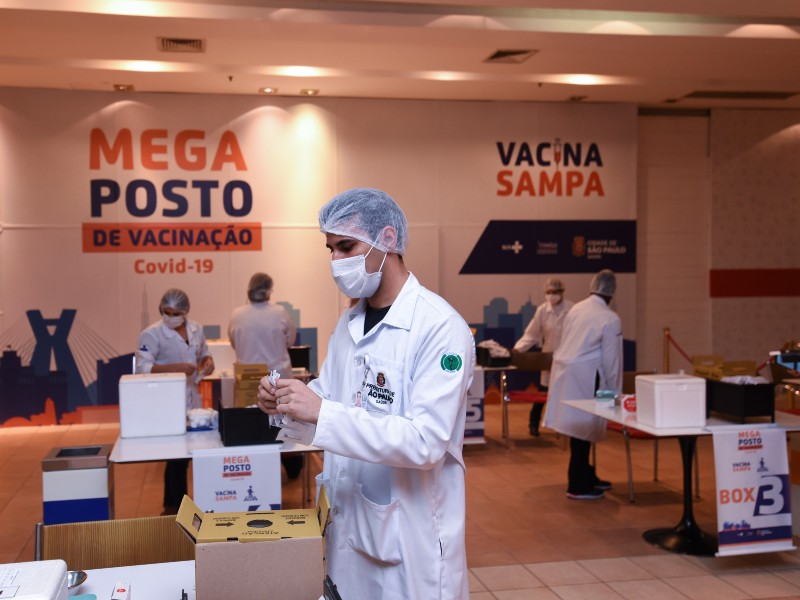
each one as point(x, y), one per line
point(175, 344)
point(590, 349)
point(544, 331)
point(393, 466)
point(261, 331)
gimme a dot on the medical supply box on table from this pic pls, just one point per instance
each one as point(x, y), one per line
point(37, 580)
point(671, 400)
point(740, 402)
point(255, 555)
point(152, 404)
point(246, 427)
point(246, 380)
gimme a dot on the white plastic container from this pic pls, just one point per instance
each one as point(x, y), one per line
point(671, 400)
point(37, 580)
point(152, 404)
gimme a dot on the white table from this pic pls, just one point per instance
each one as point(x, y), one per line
point(686, 537)
point(173, 447)
point(160, 581)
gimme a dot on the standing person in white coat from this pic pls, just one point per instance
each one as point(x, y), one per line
point(261, 332)
point(393, 467)
point(544, 331)
point(590, 349)
point(175, 345)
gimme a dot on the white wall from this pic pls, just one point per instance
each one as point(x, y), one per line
point(756, 225)
point(674, 224)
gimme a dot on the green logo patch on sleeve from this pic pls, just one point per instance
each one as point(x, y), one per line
point(451, 362)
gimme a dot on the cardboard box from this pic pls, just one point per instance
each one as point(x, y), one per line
point(671, 400)
point(714, 367)
point(244, 372)
point(254, 555)
point(152, 404)
point(246, 380)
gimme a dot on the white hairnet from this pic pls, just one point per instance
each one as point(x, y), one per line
point(553, 283)
point(259, 287)
point(175, 299)
point(364, 214)
point(604, 283)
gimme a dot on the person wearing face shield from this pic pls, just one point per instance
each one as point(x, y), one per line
point(174, 344)
point(388, 409)
point(544, 331)
point(590, 352)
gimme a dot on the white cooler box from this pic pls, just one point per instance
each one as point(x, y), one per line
point(38, 580)
point(671, 400)
point(152, 404)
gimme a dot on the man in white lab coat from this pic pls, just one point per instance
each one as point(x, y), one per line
point(544, 331)
point(389, 409)
point(590, 349)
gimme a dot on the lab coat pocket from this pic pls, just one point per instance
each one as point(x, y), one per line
point(376, 530)
point(383, 393)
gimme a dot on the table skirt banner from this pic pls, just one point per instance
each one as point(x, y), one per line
point(753, 489)
point(238, 478)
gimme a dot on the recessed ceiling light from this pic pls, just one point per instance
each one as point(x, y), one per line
point(309, 92)
point(268, 90)
point(123, 87)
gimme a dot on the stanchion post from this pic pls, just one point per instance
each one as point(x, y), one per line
point(665, 357)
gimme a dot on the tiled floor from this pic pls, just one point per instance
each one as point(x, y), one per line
point(525, 539)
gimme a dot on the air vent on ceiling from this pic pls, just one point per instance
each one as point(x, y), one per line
point(181, 45)
point(718, 95)
point(510, 56)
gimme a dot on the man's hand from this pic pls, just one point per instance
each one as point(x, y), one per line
point(289, 397)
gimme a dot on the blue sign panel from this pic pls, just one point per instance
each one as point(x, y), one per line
point(534, 247)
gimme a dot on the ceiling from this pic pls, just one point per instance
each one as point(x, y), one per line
point(655, 53)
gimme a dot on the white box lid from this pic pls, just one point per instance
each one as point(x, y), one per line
point(153, 378)
point(671, 378)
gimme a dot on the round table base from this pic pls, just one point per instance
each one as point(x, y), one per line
point(683, 540)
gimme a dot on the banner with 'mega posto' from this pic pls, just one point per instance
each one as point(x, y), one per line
point(753, 505)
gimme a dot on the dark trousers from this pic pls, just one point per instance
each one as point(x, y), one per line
point(581, 474)
point(536, 411)
point(175, 486)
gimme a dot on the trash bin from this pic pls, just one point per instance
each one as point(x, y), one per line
point(78, 484)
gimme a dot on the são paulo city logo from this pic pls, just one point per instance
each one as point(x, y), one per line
point(550, 168)
point(378, 390)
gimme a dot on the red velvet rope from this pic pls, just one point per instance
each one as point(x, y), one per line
point(679, 349)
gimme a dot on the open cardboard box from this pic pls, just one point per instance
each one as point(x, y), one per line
point(257, 555)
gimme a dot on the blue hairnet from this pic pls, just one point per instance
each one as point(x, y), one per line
point(175, 299)
point(604, 283)
point(363, 214)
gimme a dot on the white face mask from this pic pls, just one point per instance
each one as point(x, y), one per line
point(351, 277)
point(172, 321)
point(553, 298)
